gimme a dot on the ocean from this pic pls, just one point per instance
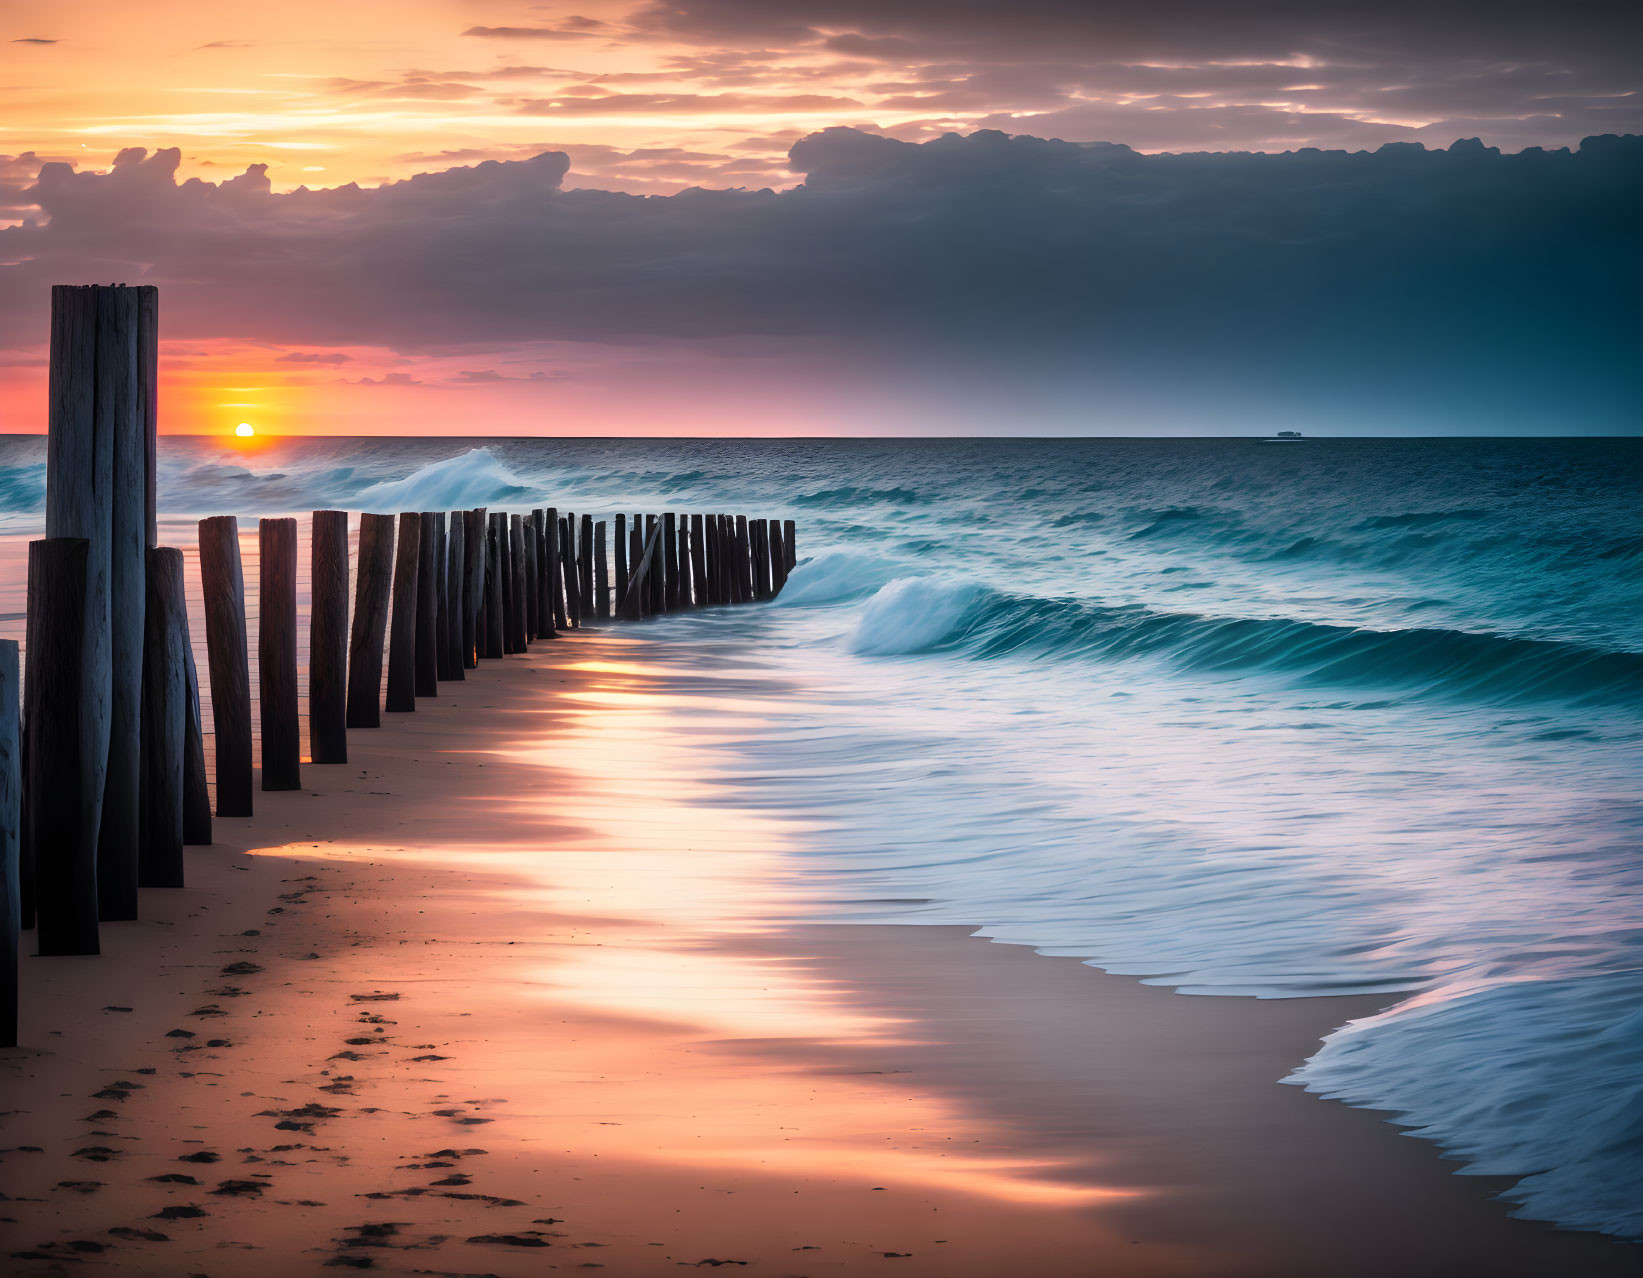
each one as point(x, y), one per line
point(1244, 720)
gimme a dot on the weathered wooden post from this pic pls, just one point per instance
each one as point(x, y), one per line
point(533, 603)
point(601, 573)
point(555, 609)
point(277, 654)
point(636, 550)
point(710, 527)
point(778, 558)
point(62, 832)
point(787, 545)
point(495, 632)
point(196, 793)
point(632, 608)
point(756, 530)
point(442, 600)
point(727, 539)
point(376, 577)
point(621, 539)
point(165, 720)
point(670, 562)
point(426, 663)
point(473, 584)
point(744, 560)
point(11, 848)
point(222, 582)
point(516, 572)
point(402, 626)
point(97, 485)
point(456, 563)
point(584, 563)
point(698, 561)
point(567, 572)
point(655, 599)
point(328, 637)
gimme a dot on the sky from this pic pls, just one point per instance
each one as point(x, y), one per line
point(838, 216)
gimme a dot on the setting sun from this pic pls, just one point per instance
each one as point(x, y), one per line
point(244, 431)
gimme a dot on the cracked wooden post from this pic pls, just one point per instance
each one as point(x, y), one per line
point(165, 720)
point(62, 834)
point(632, 606)
point(636, 550)
point(365, 643)
point(670, 561)
point(277, 654)
point(222, 583)
point(328, 637)
point(567, 572)
point(11, 846)
point(402, 623)
point(555, 568)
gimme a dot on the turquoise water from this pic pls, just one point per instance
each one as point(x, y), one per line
point(1243, 720)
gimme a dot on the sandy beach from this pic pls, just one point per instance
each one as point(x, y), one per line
point(499, 996)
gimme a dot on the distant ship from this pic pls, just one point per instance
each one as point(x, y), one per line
point(1286, 437)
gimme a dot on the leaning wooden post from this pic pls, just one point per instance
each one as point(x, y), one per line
point(636, 550)
point(516, 576)
point(62, 832)
point(165, 720)
point(456, 563)
point(11, 848)
point(196, 793)
point(442, 600)
point(494, 617)
point(425, 660)
point(222, 583)
point(655, 601)
point(632, 608)
point(376, 578)
point(698, 561)
point(277, 654)
point(402, 624)
point(473, 585)
point(328, 638)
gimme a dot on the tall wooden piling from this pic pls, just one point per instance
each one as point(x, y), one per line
point(670, 561)
point(516, 572)
point(456, 563)
point(655, 581)
point(222, 582)
point(621, 540)
point(473, 585)
point(787, 545)
point(97, 489)
point(495, 631)
point(402, 622)
point(165, 720)
point(426, 662)
point(778, 558)
point(636, 550)
point(584, 547)
point(710, 529)
point(376, 578)
point(11, 829)
point(442, 600)
point(744, 560)
point(698, 561)
point(62, 833)
point(601, 573)
point(328, 638)
point(277, 654)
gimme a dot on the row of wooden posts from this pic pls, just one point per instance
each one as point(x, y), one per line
point(103, 777)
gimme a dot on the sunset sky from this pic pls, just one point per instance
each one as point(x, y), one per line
point(914, 282)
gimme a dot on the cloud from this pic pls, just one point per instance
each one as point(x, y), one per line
point(566, 32)
point(32, 40)
point(1458, 281)
point(387, 379)
point(312, 357)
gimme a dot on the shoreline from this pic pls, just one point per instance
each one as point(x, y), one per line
point(468, 939)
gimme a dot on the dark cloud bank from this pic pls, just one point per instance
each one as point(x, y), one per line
point(1427, 286)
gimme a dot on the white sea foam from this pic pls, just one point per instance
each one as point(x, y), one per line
point(474, 478)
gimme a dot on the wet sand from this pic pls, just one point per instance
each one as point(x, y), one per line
point(499, 997)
